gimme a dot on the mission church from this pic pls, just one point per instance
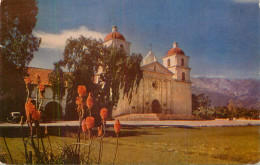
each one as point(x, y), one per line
point(164, 89)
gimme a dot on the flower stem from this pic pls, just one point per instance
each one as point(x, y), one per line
point(8, 151)
point(116, 147)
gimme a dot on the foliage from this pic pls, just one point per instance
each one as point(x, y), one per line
point(17, 47)
point(199, 101)
point(105, 71)
point(57, 79)
point(74, 153)
point(222, 112)
point(201, 108)
point(17, 39)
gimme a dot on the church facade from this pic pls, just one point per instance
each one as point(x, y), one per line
point(164, 89)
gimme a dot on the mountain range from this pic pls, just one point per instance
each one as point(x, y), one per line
point(243, 92)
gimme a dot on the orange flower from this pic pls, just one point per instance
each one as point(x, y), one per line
point(103, 113)
point(36, 115)
point(27, 80)
point(82, 91)
point(100, 131)
point(90, 101)
point(41, 87)
point(29, 108)
point(117, 126)
point(90, 121)
point(84, 125)
point(78, 101)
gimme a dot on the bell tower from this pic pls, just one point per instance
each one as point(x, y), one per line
point(178, 63)
point(117, 39)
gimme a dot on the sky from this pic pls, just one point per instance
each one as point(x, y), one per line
point(222, 37)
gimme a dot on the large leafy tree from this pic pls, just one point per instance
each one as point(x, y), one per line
point(107, 72)
point(18, 19)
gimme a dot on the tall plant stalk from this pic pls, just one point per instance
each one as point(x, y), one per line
point(116, 148)
point(8, 150)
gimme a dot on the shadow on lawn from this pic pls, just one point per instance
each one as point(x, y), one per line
point(66, 131)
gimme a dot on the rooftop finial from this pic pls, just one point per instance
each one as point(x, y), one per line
point(114, 28)
point(151, 47)
point(175, 45)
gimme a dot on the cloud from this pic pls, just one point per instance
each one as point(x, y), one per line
point(57, 41)
point(246, 1)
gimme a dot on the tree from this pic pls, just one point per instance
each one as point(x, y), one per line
point(201, 106)
point(105, 71)
point(233, 109)
point(18, 21)
point(222, 112)
point(200, 100)
point(18, 18)
point(57, 79)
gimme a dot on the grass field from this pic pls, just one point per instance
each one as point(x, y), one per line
point(207, 145)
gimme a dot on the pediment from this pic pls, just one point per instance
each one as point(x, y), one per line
point(157, 68)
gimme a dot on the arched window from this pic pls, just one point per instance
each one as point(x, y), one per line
point(154, 68)
point(182, 62)
point(122, 46)
point(183, 76)
point(168, 62)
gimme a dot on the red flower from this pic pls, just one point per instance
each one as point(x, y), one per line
point(84, 125)
point(29, 108)
point(90, 121)
point(117, 126)
point(90, 101)
point(82, 90)
point(27, 80)
point(103, 113)
point(36, 115)
point(78, 101)
point(41, 87)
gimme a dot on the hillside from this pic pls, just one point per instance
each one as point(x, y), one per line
point(244, 92)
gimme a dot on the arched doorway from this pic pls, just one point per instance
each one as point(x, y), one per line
point(53, 111)
point(155, 106)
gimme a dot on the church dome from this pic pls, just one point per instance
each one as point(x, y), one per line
point(114, 35)
point(175, 50)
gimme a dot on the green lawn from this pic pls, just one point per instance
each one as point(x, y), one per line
point(212, 145)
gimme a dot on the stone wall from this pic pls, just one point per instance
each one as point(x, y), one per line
point(174, 97)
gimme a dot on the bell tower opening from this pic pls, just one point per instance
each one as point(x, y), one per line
point(183, 76)
point(182, 62)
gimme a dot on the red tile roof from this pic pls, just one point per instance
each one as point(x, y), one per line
point(43, 73)
point(114, 35)
point(175, 51)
